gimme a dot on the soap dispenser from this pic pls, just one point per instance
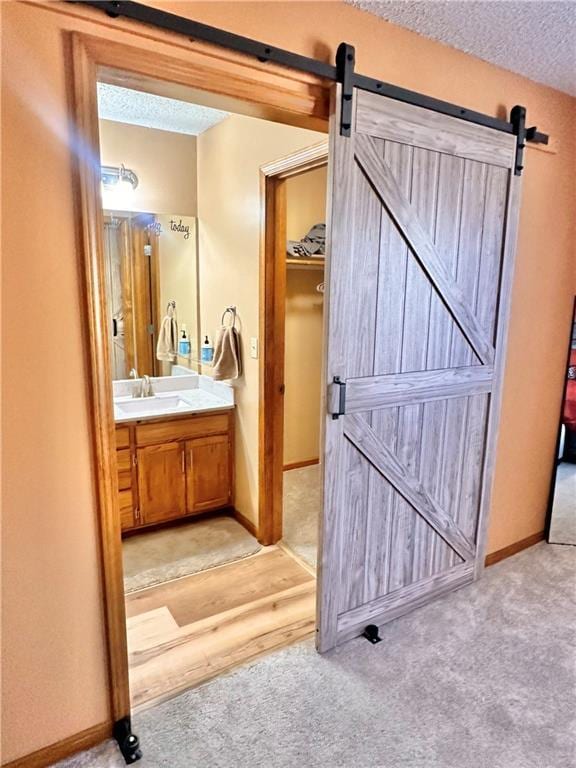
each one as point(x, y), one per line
point(184, 345)
point(207, 350)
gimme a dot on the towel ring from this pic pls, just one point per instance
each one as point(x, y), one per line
point(232, 311)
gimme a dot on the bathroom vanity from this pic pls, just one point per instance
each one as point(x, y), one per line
point(175, 454)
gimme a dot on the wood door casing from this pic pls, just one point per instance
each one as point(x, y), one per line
point(117, 248)
point(208, 482)
point(273, 277)
point(303, 99)
point(161, 482)
point(145, 290)
point(418, 294)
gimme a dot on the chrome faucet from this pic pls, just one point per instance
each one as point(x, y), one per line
point(146, 390)
point(142, 386)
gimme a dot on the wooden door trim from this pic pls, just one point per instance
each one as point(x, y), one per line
point(123, 220)
point(555, 459)
point(99, 373)
point(272, 332)
point(60, 750)
point(296, 99)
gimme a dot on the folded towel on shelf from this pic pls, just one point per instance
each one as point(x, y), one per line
point(313, 245)
point(167, 346)
point(226, 361)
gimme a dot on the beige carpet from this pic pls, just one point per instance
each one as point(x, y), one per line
point(481, 678)
point(563, 524)
point(302, 511)
point(158, 556)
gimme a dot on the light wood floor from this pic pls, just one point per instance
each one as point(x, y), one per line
point(185, 632)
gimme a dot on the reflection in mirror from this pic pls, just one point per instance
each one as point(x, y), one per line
point(151, 272)
point(563, 494)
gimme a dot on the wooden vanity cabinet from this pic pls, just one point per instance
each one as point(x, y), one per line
point(125, 465)
point(172, 468)
point(161, 482)
point(207, 473)
point(124, 461)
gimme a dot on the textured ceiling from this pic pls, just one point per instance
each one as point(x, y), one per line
point(535, 38)
point(124, 105)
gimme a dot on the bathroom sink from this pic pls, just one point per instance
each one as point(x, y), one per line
point(151, 405)
point(166, 402)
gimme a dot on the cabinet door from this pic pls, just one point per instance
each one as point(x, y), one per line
point(162, 482)
point(208, 478)
point(126, 510)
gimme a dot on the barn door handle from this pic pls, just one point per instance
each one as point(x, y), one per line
point(337, 397)
point(114, 327)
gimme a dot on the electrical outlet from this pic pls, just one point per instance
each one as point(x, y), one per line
point(254, 347)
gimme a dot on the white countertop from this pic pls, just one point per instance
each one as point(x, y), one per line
point(172, 396)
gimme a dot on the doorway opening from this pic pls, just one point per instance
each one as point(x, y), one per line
point(562, 500)
point(209, 581)
point(293, 273)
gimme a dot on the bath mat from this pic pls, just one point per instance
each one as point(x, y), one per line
point(154, 557)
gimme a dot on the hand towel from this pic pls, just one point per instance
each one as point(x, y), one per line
point(226, 362)
point(167, 346)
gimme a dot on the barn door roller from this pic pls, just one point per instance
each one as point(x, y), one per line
point(345, 58)
point(343, 72)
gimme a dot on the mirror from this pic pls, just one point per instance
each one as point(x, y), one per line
point(563, 490)
point(151, 263)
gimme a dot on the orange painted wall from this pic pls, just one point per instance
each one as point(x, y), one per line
point(54, 670)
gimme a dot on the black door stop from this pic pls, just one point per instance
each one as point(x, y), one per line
point(128, 742)
point(371, 634)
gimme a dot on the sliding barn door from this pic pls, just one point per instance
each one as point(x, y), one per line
point(423, 209)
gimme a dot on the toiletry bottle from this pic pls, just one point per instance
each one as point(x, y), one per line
point(207, 351)
point(184, 345)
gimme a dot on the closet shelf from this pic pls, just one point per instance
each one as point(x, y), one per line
point(305, 263)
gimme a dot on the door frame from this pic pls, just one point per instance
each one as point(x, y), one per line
point(228, 79)
point(555, 461)
point(145, 290)
point(272, 332)
point(126, 268)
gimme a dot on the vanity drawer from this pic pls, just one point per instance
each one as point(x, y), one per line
point(124, 461)
point(122, 437)
point(182, 429)
point(126, 510)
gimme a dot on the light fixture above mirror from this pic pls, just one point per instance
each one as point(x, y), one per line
point(112, 176)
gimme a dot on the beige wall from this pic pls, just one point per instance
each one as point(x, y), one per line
point(305, 206)
point(164, 161)
point(53, 652)
point(229, 158)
